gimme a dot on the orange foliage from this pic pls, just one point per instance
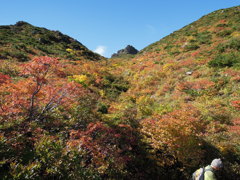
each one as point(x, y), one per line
point(195, 53)
point(179, 131)
point(187, 63)
point(38, 94)
point(4, 78)
point(235, 75)
point(39, 67)
point(197, 85)
point(235, 128)
point(236, 104)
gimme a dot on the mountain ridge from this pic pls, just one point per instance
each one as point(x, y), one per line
point(22, 40)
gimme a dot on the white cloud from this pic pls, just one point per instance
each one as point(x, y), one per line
point(100, 50)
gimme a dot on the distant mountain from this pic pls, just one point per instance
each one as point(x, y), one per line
point(127, 50)
point(23, 40)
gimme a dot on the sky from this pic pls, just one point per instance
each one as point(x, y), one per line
point(105, 26)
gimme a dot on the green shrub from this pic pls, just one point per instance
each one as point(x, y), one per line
point(9, 69)
point(174, 53)
point(19, 55)
point(84, 113)
point(113, 86)
point(191, 47)
point(168, 47)
point(4, 54)
point(204, 37)
point(222, 25)
point(224, 33)
point(50, 159)
point(225, 60)
point(194, 92)
point(103, 108)
point(193, 41)
point(232, 44)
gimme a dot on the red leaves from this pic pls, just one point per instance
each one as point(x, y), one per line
point(195, 53)
point(104, 144)
point(236, 104)
point(235, 128)
point(96, 134)
point(187, 63)
point(197, 85)
point(38, 94)
point(235, 75)
point(4, 78)
point(39, 67)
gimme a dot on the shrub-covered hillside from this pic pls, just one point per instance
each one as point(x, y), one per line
point(161, 114)
point(185, 92)
point(23, 40)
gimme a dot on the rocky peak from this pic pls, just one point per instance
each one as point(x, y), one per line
point(127, 50)
point(21, 23)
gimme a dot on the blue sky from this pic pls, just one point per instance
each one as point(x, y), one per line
point(110, 25)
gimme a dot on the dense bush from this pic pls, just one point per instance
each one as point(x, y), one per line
point(191, 47)
point(204, 37)
point(113, 86)
point(225, 60)
point(9, 68)
point(231, 44)
point(224, 33)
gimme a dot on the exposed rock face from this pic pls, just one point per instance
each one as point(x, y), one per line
point(127, 50)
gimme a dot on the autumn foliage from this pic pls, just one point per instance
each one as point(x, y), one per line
point(97, 142)
point(161, 114)
point(236, 104)
point(178, 134)
point(37, 94)
point(4, 78)
point(46, 108)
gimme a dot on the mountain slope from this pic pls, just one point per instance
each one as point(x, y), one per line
point(160, 114)
point(212, 41)
point(22, 40)
point(185, 92)
point(215, 26)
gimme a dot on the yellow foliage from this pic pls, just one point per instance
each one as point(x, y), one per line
point(190, 38)
point(179, 131)
point(115, 65)
point(168, 66)
point(101, 93)
point(235, 34)
point(79, 78)
point(69, 50)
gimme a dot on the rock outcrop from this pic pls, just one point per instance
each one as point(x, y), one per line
point(127, 50)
